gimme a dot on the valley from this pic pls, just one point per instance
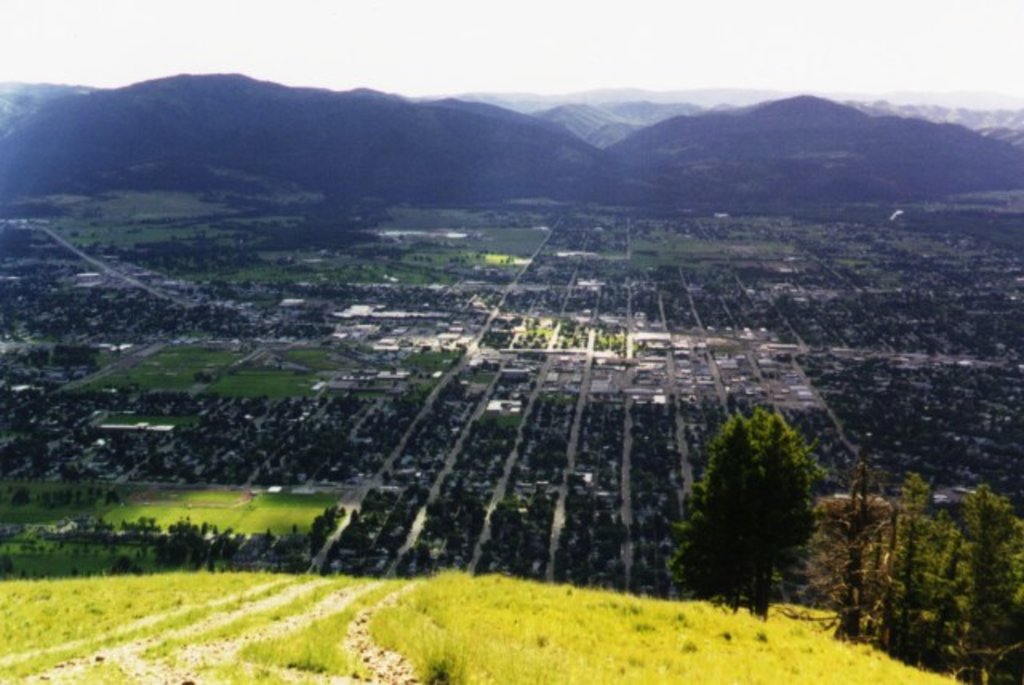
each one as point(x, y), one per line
point(519, 388)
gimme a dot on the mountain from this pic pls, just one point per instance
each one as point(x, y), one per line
point(706, 98)
point(976, 119)
point(452, 628)
point(20, 100)
point(232, 132)
point(1014, 136)
point(810, 149)
point(712, 98)
point(605, 124)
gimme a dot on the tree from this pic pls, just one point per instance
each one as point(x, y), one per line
point(926, 581)
point(850, 566)
point(748, 513)
point(993, 547)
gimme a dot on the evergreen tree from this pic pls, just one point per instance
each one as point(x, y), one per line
point(750, 510)
point(927, 583)
point(992, 550)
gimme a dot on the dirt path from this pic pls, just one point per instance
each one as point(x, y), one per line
point(128, 657)
point(386, 667)
point(195, 657)
point(140, 624)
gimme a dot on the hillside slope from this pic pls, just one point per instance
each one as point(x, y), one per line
point(21, 100)
point(452, 629)
point(202, 133)
point(807, 148)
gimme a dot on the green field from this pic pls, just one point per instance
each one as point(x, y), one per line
point(672, 250)
point(431, 361)
point(304, 267)
point(521, 242)
point(172, 368)
point(440, 258)
point(264, 383)
point(316, 359)
point(224, 509)
point(138, 206)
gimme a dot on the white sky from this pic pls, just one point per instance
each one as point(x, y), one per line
point(419, 47)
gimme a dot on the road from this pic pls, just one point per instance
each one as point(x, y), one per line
point(435, 489)
point(626, 490)
point(506, 473)
point(685, 467)
point(111, 271)
point(558, 522)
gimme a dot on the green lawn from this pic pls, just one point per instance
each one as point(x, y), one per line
point(172, 368)
point(225, 509)
point(264, 383)
point(317, 359)
point(431, 361)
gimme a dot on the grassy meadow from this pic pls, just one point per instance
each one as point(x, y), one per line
point(454, 629)
point(499, 630)
point(172, 368)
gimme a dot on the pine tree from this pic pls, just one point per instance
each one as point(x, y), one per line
point(750, 510)
point(992, 550)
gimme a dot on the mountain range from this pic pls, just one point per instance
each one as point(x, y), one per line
point(233, 133)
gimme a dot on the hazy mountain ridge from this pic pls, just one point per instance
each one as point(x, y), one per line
point(807, 148)
point(605, 124)
point(191, 132)
point(229, 132)
point(20, 100)
point(978, 120)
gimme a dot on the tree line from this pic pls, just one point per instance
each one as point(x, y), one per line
point(942, 590)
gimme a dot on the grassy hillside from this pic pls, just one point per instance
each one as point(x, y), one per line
point(452, 629)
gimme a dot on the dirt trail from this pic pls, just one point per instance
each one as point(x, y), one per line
point(140, 624)
point(386, 667)
point(194, 657)
point(128, 657)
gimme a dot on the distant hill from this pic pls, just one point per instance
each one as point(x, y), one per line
point(20, 100)
point(605, 124)
point(209, 132)
point(713, 98)
point(1014, 136)
point(704, 98)
point(259, 627)
point(810, 149)
point(976, 119)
